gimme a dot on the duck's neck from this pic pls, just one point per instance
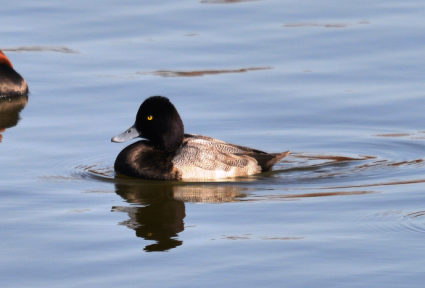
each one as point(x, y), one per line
point(173, 138)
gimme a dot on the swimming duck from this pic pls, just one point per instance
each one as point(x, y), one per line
point(11, 83)
point(170, 154)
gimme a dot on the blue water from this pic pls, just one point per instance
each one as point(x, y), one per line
point(339, 84)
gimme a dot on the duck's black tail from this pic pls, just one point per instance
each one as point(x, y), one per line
point(266, 161)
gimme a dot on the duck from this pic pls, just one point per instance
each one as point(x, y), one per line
point(167, 153)
point(11, 83)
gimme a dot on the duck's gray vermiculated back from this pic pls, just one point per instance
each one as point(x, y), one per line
point(205, 157)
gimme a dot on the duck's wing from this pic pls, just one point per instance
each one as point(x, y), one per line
point(221, 144)
point(209, 153)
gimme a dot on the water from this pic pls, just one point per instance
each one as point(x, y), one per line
point(339, 84)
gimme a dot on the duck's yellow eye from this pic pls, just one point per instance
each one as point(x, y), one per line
point(150, 117)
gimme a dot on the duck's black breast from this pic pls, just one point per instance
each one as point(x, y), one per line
point(143, 160)
point(11, 83)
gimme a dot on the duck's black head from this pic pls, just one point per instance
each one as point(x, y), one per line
point(157, 121)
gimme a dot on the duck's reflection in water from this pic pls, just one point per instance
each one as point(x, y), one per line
point(10, 107)
point(161, 217)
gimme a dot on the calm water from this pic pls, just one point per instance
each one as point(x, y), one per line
point(341, 85)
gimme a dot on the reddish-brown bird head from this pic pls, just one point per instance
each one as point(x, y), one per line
point(5, 60)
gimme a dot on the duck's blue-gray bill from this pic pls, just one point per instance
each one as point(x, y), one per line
point(129, 134)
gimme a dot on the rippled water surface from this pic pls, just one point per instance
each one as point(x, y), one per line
point(341, 85)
